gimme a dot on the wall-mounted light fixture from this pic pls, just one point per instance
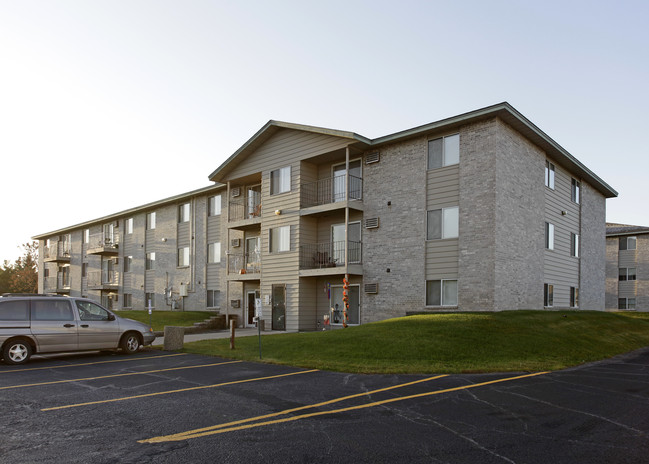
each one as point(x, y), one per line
point(278, 212)
point(164, 239)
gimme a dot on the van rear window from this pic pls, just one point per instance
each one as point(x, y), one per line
point(51, 310)
point(14, 310)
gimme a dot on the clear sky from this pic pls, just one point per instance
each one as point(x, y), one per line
point(108, 105)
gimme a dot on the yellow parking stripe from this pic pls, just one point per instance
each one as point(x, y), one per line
point(91, 363)
point(179, 390)
point(116, 375)
point(193, 434)
point(310, 406)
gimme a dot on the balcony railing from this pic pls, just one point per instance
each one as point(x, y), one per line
point(246, 207)
point(59, 250)
point(103, 279)
point(329, 254)
point(61, 281)
point(248, 263)
point(103, 241)
point(331, 190)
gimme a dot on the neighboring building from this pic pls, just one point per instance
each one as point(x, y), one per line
point(627, 267)
point(168, 252)
point(478, 212)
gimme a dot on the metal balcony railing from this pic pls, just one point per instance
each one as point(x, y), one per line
point(331, 190)
point(103, 241)
point(329, 254)
point(248, 263)
point(103, 278)
point(246, 207)
point(57, 250)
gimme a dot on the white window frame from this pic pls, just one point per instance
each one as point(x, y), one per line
point(184, 211)
point(149, 261)
point(574, 245)
point(575, 191)
point(574, 297)
point(150, 221)
point(441, 295)
point(625, 271)
point(283, 182)
point(284, 236)
point(627, 303)
point(214, 253)
point(549, 236)
point(214, 205)
point(183, 256)
point(445, 217)
point(548, 295)
point(128, 226)
point(446, 141)
point(626, 240)
point(550, 173)
point(214, 293)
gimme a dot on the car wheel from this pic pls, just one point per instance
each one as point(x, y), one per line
point(130, 343)
point(17, 352)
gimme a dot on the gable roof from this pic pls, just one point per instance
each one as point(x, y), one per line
point(504, 111)
point(614, 230)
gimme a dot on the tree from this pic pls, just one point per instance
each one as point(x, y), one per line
point(22, 276)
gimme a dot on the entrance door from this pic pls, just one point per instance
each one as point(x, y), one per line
point(254, 201)
point(338, 243)
point(279, 307)
point(340, 181)
point(253, 256)
point(250, 307)
point(338, 305)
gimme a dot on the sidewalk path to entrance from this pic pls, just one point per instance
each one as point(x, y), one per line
point(244, 332)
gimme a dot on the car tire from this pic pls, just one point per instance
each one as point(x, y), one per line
point(130, 343)
point(17, 352)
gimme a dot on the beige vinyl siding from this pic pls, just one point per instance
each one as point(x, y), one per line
point(183, 234)
point(627, 258)
point(213, 272)
point(559, 267)
point(285, 148)
point(442, 190)
point(627, 289)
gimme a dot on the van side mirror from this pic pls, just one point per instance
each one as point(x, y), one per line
point(111, 317)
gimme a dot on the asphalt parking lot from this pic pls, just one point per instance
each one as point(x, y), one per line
point(168, 407)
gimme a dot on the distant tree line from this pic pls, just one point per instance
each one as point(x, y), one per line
point(22, 275)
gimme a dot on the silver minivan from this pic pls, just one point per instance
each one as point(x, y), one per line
point(47, 324)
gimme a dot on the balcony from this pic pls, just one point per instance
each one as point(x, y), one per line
point(60, 283)
point(58, 252)
point(329, 258)
point(103, 280)
point(245, 212)
point(103, 244)
point(331, 193)
point(244, 266)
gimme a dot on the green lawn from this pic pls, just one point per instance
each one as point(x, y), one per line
point(451, 343)
point(161, 318)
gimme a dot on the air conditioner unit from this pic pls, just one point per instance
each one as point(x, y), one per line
point(235, 303)
point(372, 158)
point(372, 223)
point(235, 242)
point(236, 192)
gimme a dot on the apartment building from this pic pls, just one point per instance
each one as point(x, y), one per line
point(166, 253)
point(627, 267)
point(478, 212)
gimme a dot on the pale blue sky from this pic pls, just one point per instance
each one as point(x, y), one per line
point(107, 105)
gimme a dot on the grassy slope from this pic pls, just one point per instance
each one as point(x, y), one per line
point(161, 318)
point(450, 343)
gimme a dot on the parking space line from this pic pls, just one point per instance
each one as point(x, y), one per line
point(195, 434)
point(92, 363)
point(310, 406)
point(117, 375)
point(233, 382)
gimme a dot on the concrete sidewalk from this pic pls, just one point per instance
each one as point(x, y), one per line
point(214, 334)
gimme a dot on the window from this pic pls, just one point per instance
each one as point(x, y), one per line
point(150, 261)
point(549, 175)
point(574, 297)
point(84, 270)
point(150, 221)
point(575, 192)
point(548, 295)
point(280, 180)
point(86, 235)
point(213, 297)
point(627, 243)
point(549, 236)
point(183, 256)
point(574, 245)
point(16, 310)
point(91, 312)
point(183, 212)
point(280, 239)
point(214, 253)
point(46, 273)
point(214, 205)
point(49, 310)
point(626, 303)
point(128, 226)
point(627, 273)
point(442, 223)
point(441, 293)
point(149, 300)
point(444, 151)
point(128, 261)
point(128, 301)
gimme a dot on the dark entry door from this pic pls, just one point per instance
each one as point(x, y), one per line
point(279, 307)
